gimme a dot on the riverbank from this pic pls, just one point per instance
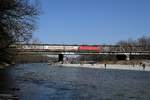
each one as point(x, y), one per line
point(4, 65)
point(109, 66)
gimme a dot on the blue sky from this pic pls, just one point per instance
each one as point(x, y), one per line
point(92, 21)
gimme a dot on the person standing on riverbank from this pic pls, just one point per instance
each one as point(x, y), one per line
point(105, 65)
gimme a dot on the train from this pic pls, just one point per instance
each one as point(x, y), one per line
point(60, 48)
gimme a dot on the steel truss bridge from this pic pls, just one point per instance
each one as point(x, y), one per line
point(58, 49)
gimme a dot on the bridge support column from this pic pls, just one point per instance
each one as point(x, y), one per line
point(127, 57)
point(60, 58)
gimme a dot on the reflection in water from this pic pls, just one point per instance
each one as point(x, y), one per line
point(44, 82)
point(7, 86)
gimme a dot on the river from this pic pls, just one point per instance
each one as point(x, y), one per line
point(39, 81)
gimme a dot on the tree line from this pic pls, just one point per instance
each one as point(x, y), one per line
point(143, 41)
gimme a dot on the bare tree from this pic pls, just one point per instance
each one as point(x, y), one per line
point(17, 19)
point(145, 42)
point(17, 22)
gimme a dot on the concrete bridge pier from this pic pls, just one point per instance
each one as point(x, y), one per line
point(60, 58)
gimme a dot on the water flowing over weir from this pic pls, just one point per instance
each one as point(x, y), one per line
point(39, 81)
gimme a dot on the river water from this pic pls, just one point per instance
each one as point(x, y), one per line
point(40, 81)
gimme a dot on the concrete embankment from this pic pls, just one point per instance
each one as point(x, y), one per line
point(111, 66)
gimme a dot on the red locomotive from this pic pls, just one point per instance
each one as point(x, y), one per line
point(92, 49)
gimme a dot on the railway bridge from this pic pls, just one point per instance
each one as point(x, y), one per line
point(62, 49)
